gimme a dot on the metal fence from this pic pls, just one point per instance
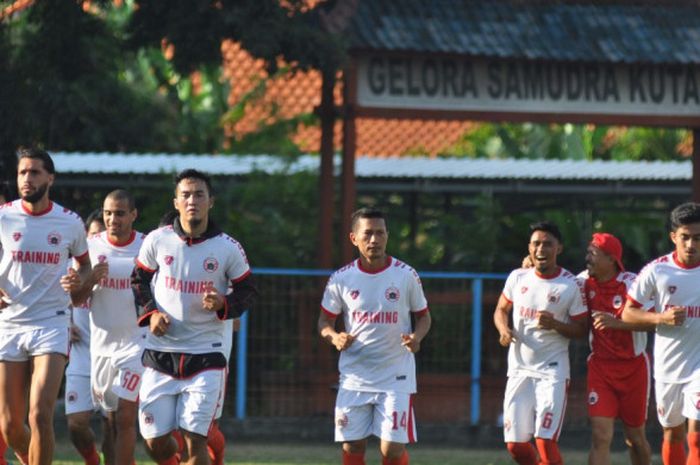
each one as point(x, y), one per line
point(281, 367)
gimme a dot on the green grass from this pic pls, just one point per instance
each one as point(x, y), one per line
point(329, 454)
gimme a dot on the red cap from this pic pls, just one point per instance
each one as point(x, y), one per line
point(610, 245)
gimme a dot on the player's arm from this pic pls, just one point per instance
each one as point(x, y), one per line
point(141, 278)
point(605, 320)
point(76, 281)
point(326, 328)
point(423, 322)
point(501, 320)
point(576, 328)
point(235, 303)
point(636, 315)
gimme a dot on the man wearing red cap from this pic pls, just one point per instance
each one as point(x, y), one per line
point(618, 367)
point(671, 283)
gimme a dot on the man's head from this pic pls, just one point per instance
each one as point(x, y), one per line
point(94, 223)
point(544, 246)
point(35, 174)
point(193, 196)
point(604, 256)
point(685, 232)
point(119, 213)
point(369, 233)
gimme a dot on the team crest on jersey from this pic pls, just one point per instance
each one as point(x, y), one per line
point(101, 258)
point(16, 236)
point(672, 289)
point(211, 265)
point(592, 398)
point(523, 289)
point(617, 301)
point(148, 418)
point(392, 294)
point(72, 396)
point(354, 294)
point(168, 259)
point(341, 420)
point(53, 238)
point(553, 298)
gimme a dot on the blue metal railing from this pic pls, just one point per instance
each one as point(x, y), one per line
point(476, 331)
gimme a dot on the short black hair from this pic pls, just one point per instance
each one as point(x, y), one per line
point(685, 214)
point(548, 227)
point(37, 154)
point(95, 215)
point(194, 174)
point(365, 212)
point(168, 218)
point(122, 194)
point(5, 191)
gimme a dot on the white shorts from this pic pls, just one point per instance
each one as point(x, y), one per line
point(533, 407)
point(78, 398)
point(387, 415)
point(114, 378)
point(220, 406)
point(677, 401)
point(168, 403)
point(78, 359)
point(20, 346)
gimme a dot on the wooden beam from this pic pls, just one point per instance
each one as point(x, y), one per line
point(325, 195)
point(347, 182)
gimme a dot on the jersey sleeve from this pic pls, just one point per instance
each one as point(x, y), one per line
point(578, 305)
point(641, 292)
point(78, 247)
point(332, 302)
point(147, 256)
point(237, 268)
point(510, 285)
point(417, 301)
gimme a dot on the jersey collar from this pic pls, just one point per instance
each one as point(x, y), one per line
point(212, 231)
point(682, 265)
point(364, 270)
point(31, 213)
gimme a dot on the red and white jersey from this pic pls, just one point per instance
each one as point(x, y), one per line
point(376, 309)
point(610, 297)
point(536, 352)
point(114, 330)
point(669, 283)
point(35, 253)
point(185, 270)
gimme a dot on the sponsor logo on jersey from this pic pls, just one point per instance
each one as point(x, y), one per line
point(16, 236)
point(169, 259)
point(211, 265)
point(53, 238)
point(72, 396)
point(672, 289)
point(617, 301)
point(341, 420)
point(354, 294)
point(592, 398)
point(392, 294)
point(523, 289)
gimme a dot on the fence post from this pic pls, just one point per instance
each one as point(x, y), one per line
point(242, 367)
point(477, 292)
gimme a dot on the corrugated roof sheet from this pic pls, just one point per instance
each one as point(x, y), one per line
point(604, 32)
point(369, 167)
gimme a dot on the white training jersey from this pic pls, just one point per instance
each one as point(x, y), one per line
point(676, 348)
point(113, 318)
point(376, 309)
point(36, 249)
point(184, 272)
point(79, 356)
point(536, 352)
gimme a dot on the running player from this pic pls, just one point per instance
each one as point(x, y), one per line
point(671, 282)
point(78, 398)
point(550, 309)
point(377, 295)
point(618, 367)
point(37, 237)
point(191, 264)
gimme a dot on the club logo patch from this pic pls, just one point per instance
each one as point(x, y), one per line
point(148, 418)
point(618, 301)
point(53, 238)
point(592, 398)
point(168, 259)
point(354, 294)
point(672, 289)
point(392, 294)
point(17, 236)
point(553, 298)
point(523, 289)
point(72, 397)
point(101, 258)
point(211, 265)
point(341, 420)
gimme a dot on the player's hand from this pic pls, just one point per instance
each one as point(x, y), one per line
point(673, 316)
point(506, 337)
point(74, 333)
point(604, 320)
point(410, 342)
point(342, 341)
point(5, 299)
point(545, 320)
point(212, 300)
point(71, 282)
point(159, 323)
point(527, 262)
point(99, 272)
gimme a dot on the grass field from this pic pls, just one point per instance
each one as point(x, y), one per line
point(315, 454)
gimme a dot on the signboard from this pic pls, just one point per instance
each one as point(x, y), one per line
point(528, 87)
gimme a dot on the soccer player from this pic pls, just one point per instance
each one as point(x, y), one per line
point(550, 309)
point(78, 397)
point(116, 340)
point(377, 295)
point(618, 367)
point(671, 282)
point(37, 236)
point(191, 264)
